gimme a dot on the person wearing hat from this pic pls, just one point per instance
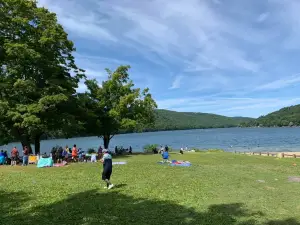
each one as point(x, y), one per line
point(107, 168)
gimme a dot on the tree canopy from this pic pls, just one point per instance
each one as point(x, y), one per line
point(171, 120)
point(116, 105)
point(36, 63)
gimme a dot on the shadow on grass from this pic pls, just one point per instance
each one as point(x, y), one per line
point(10, 203)
point(112, 207)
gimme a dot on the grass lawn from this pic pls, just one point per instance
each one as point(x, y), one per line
point(219, 188)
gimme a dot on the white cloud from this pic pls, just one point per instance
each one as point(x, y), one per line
point(81, 87)
point(287, 17)
point(281, 83)
point(176, 82)
point(93, 74)
point(102, 60)
point(177, 31)
point(210, 82)
point(262, 17)
point(214, 47)
point(79, 20)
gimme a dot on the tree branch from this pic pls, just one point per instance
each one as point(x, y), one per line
point(111, 137)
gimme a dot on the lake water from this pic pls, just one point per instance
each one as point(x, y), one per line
point(231, 139)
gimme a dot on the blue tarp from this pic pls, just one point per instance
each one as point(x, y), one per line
point(182, 164)
point(2, 160)
point(45, 162)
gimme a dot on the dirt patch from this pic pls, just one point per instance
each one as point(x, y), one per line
point(261, 181)
point(269, 188)
point(294, 179)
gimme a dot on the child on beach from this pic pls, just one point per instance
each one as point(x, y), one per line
point(107, 169)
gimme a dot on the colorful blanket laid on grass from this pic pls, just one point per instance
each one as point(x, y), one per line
point(60, 164)
point(176, 163)
point(180, 163)
point(119, 163)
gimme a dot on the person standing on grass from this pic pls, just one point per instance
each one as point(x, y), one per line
point(25, 156)
point(74, 153)
point(130, 150)
point(166, 148)
point(161, 149)
point(59, 154)
point(107, 169)
point(14, 156)
point(165, 156)
point(181, 151)
point(100, 150)
point(5, 157)
point(65, 154)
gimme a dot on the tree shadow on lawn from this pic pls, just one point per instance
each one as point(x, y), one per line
point(92, 207)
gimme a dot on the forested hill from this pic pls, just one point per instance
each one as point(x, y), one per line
point(171, 120)
point(288, 116)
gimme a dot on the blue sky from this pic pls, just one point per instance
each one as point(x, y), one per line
point(230, 57)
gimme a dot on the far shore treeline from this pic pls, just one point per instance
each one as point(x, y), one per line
point(285, 117)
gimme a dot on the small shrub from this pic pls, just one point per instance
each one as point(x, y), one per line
point(208, 150)
point(150, 147)
point(198, 150)
point(121, 150)
point(170, 149)
point(215, 150)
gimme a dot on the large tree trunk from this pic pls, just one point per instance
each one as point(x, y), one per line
point(106, 139)
point(37, 144)
point(25, 141)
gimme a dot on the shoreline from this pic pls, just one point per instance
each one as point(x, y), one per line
point(282, 154)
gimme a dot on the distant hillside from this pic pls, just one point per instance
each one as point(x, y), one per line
point(288, 116)
point(171, 120)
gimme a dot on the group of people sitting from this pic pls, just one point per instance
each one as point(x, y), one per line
point(58, 155)
point(122, 151)
point(161, 150)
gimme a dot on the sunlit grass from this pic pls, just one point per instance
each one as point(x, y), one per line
point(219, 188)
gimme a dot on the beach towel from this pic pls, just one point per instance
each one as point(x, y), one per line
point(119, 163)
point(60, 164)
point(45, 162)
point(2, 160)
point(180, 163)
